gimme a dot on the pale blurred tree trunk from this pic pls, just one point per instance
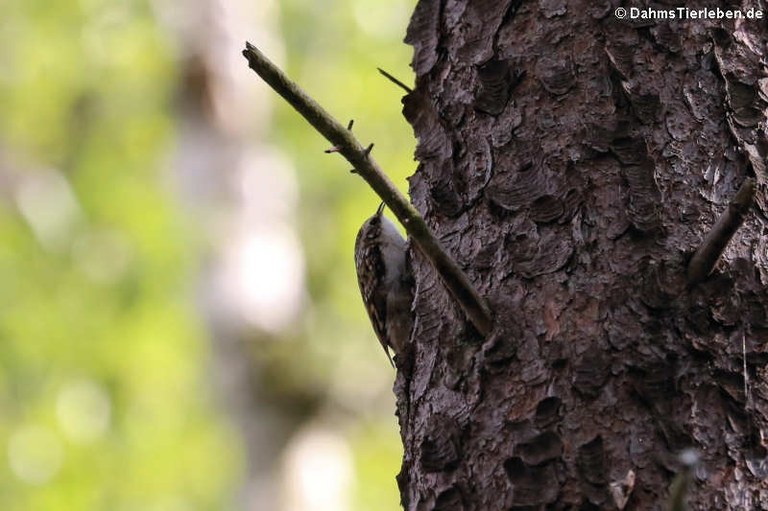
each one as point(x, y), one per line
point(242, 195)
point(572, 163)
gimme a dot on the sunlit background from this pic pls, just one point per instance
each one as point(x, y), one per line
point(180, 325)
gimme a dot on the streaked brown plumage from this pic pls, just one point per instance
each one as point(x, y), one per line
point(385, 281)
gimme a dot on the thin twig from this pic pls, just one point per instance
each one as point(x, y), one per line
point(341, 138)
point(395, 81)
point(705, 258)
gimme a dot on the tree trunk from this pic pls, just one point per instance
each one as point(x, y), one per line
point(572, 163)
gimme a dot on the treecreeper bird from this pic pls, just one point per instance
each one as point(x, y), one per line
point(386, 283)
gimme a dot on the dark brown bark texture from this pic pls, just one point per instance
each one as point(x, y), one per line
point(572, 163)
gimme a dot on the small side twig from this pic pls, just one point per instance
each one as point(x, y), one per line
point(342, 140)
point(395, 81)
point(335, 149)
point(707, 255)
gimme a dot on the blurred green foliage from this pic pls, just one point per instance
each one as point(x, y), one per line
point(105, 398)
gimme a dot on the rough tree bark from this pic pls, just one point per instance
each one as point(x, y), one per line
point(573, 163)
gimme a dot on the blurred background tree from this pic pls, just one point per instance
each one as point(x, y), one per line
point(180, 326)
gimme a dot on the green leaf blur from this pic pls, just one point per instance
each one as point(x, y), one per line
point(103, 396)
point(105, 393)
